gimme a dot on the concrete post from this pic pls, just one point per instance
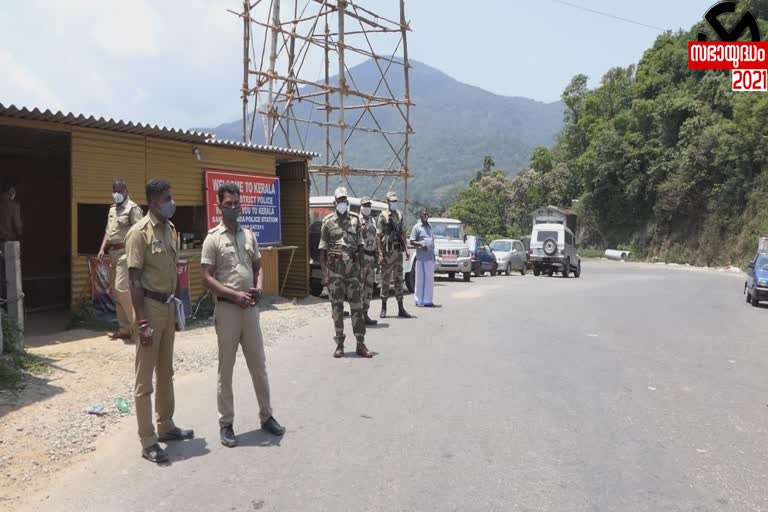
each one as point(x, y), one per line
point(15, 292)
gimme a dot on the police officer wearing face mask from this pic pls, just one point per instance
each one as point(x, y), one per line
point(123, 214)
point(341, 257)
point(232, 272)
point(370, 256)
point(152, 273)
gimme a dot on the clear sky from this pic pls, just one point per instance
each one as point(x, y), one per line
point(179, 62)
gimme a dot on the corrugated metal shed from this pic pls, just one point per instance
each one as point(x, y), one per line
point(129, 127)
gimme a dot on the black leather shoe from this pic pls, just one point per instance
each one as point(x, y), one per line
point(228, 438)
point(401, 312)
point(176, 434)
point(155, 454)
point(273, 427)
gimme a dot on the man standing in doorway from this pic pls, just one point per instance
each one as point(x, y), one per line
point(370, 256)
point(392, 246)
point(232, 272)
point(123, 214)
point(341, 257)
point(10, 212)
point(152, 270)
point(424, 264)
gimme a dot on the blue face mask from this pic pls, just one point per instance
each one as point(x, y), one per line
point(168, 209)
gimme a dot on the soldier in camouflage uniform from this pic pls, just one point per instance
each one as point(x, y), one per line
point(392, 245)
point(370, 256)
point(341, 257)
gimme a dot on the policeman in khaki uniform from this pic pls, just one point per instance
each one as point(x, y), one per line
point(123, 214)
point(392, 245)
point(151, 248)
point(341, 257)
point(232, 272)
point(370, 256)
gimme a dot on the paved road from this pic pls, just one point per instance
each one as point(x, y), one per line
point(634, 388)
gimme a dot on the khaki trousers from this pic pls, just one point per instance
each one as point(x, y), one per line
point(121, 295)
point(158, 359)
point(237, 326)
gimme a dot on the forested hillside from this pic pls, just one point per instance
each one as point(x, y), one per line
point(661, 159)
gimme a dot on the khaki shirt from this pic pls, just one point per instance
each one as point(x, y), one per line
point(232, 255)
point(10, 218)
point(368, 229)
point(341, 234)
point(120, 219)
point(151, 247)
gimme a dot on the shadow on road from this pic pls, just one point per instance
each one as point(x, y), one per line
point(185, 450)
point(258, 438)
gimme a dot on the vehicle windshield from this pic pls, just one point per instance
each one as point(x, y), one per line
point(762, 262)
point(501, 246)
point(446, 231)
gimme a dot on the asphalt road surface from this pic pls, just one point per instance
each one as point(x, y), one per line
point(634, 388)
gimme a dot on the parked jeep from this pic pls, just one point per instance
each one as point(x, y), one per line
point(553, 243)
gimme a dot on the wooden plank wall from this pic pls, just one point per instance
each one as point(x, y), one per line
point(294, 198)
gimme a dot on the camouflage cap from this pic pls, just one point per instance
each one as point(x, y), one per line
point(365, 200)
point(392, 196)
point(340, 192)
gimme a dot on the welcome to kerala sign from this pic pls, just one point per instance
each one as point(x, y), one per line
point(260, 197)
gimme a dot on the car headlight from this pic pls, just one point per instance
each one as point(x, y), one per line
point(762, 282)
point(464, 253)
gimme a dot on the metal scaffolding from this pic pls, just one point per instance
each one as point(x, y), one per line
point(279, 88)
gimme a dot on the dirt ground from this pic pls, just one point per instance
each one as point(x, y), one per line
point(44, 425)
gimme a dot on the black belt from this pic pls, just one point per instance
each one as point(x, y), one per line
point(372, 253)
point(222, 299)
point(160, 297)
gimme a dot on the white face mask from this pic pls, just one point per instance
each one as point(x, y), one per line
point(342, 208)
point(393, 206)
point(118, 198)
point(365, 210)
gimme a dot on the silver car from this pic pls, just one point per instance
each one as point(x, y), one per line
point(510, 256)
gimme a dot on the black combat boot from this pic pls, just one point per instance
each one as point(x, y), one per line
point(339, 352)
point(362, 350)
point(383, 308)
point(401, 312)
point(368, 319)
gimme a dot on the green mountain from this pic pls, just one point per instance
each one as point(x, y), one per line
point(456, 125)
point(663, 160)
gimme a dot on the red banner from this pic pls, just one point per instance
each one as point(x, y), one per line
point(727, 55)
point(101, 284)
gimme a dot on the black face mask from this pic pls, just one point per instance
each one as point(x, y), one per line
point(231, 214)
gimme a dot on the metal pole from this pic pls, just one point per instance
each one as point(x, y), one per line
point(272, 61)
point(327, 104)
point(406, 68)
point(246, 62)
point(342, 83)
